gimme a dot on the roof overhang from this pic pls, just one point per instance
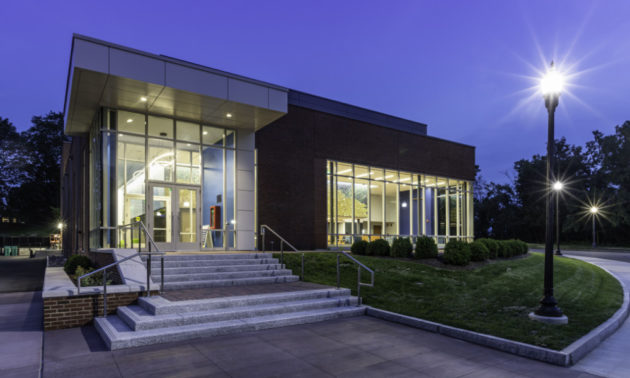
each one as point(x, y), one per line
point(108, 75)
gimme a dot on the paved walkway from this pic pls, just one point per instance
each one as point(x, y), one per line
point(20, 334)
point(352, 347)
point(610, 358)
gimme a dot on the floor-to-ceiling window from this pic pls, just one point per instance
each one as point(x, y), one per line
point(370, 202)
point(170, 174)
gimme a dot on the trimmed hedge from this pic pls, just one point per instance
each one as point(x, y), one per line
point(457, 252)
point(425, 248)
point(359, 247)
point(478, 251)
point(401, 247)
point(378, 247)
point(492, 245)
point(70, 267)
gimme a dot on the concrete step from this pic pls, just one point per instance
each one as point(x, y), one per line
point(228, 282)
point(222, 256)
point(118, 335)
point(157, 305)
point(156, 263)
point(211, 269)
point(220, 275)
point(138, 319)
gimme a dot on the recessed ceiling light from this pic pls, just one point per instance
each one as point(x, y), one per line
point(229, 115)
point(205, 133)
point(129, 120)
point(188, 144)
point(143, 99)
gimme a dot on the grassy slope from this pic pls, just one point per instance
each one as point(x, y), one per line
point(495, 299)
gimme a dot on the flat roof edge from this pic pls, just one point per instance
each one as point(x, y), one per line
point(176, 61)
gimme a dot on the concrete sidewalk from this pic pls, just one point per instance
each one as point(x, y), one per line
point(351, 347)
point(610, 358)
point(20, 334)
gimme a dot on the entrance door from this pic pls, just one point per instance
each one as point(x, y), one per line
point(174, 216)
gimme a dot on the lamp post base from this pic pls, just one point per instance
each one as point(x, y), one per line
point(549, 307)
point(549, 319)
point(558, 253)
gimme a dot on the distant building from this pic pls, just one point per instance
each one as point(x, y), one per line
point(204, 157)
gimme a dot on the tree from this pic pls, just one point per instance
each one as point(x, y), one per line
point(11, 163)
point(38, 192)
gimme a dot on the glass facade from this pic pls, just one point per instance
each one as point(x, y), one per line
point(370, 203)
point(168, 173)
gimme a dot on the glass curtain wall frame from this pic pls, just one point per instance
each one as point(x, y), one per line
point(398, 203)
point(121, 128)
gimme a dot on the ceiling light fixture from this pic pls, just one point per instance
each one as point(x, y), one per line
point(205, 133)
point(143, 99)
point(129, 120)
point(229, 115)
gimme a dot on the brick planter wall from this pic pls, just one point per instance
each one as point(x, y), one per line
point(80, 310)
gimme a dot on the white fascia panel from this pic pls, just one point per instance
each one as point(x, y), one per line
point(90, 56)
point(245, 220)
point(245, 160)
point(248, 93)
point(245, 140)
point(136, 66)
point(278, 100)
point(196, 81)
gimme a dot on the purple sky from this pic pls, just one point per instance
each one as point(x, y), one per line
point(465, 68)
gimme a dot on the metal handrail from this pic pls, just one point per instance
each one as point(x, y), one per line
point(149, 253)
point(360, 265)
point(282, 242)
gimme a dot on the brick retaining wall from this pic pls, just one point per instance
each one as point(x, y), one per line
point(80, 310)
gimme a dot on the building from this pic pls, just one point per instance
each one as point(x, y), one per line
point(204, 157)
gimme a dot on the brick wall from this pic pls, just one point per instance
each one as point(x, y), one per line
point(80, 310)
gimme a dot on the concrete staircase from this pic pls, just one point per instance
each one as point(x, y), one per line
point(158, 320)
point(203, 270)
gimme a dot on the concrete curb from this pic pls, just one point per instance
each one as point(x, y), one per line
point(566, 357)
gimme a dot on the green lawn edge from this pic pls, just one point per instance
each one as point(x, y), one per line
point(494, 299)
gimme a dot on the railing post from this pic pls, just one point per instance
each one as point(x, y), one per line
point(262, 232)
point(105, 293)
point(162, 274)
point(281, 252)
point(149, 275)
point(358, 285)
point(338, 273)
point(302, 275)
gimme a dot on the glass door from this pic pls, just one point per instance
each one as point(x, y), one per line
point(161, 216)
point(187, 216)
point(174, 217)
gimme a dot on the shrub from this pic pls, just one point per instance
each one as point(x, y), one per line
point(426, 248)
point(478, 251)
point(359, 247)
point(74, 261)
point(378, 247)
point(503, 250)
point(524, 247)
point(492, 245)
point(401, 247)
point(93, 280)
point(457, 252)
point(515, 246)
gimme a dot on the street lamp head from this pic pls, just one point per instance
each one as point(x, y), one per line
point(60, 225)
point(594, 209)
point(557, 186)
point(552, 83)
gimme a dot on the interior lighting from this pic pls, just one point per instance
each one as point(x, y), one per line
point(129, 120)
point(143, 99)
point(229, 115)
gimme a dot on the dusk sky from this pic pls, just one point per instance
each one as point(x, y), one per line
point(465, 68)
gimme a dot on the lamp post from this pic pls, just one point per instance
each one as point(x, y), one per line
point(551, 86)
point(594, 211)
point(557, 187)
point(60, 227)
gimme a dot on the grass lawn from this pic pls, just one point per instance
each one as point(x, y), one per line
point(494, 299)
